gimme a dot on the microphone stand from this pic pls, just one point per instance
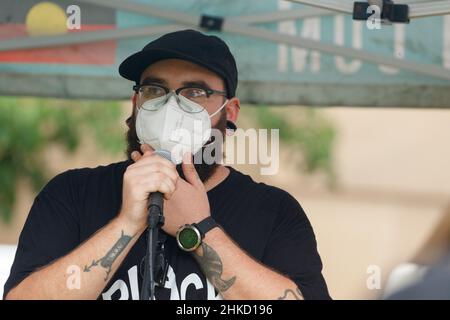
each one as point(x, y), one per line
point(155, 222)
point(155, 263)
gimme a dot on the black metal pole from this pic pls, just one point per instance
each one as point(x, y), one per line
point(155, 222)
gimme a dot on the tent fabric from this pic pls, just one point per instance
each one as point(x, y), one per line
point(270, 72)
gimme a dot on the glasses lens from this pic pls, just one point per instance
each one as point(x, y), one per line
point(196, 95)
point(154, 104)
point(189, 105)
point(149, 92)
point(151, 97)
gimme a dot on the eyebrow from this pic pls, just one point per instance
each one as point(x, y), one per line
point(149, 80)
point(194, 83)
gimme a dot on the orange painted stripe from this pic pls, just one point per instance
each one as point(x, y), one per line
point(98, 53)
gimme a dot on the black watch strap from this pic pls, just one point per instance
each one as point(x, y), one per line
point(205, 225)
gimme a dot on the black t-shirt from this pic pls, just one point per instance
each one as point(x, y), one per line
point(266, 222)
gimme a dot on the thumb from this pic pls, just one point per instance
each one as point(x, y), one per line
point(189, 170)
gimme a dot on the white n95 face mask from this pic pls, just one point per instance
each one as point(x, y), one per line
point(165, 125)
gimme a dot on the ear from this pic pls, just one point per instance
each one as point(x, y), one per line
point(133, 110)
point(134, 99)
point(232, 108)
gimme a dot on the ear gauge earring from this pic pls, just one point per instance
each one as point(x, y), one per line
point(128, 121)
point(231, 127)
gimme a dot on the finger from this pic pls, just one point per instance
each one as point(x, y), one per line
point(154, 159)
point(165, 186)
point(136, 156)
point(147, 159)
point(155, 167)
point(189, 170)
point(169, 172)
point(171, 189)
point(145, 147)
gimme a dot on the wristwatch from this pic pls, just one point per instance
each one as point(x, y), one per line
point(190, 236)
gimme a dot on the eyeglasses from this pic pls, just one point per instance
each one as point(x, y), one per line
point(198, 94)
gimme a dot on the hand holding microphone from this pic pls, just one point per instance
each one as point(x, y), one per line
point(187, 203)
point(150, 173)
point(145, 183)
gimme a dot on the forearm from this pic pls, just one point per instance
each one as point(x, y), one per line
point(236, 275)
point(83, 273)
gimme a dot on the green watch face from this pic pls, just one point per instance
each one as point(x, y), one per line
point(188, 238)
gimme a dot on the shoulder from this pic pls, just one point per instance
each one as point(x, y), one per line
point(270, 193)
point(273, 199)
point(77, 178)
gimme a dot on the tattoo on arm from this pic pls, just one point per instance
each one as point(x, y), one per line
point(107, 261)
point(290, 293)
point(212, 266)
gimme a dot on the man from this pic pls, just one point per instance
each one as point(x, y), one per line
point(235, 238)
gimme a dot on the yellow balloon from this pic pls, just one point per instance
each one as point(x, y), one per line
point(46, 18)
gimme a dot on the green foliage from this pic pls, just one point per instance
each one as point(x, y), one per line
point(28, 125)
point(313, 136)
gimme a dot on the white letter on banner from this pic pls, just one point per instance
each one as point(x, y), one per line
point(339, 39)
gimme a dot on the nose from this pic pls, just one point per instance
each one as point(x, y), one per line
point(172, 95)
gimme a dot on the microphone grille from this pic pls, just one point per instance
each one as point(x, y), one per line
point(165, 154)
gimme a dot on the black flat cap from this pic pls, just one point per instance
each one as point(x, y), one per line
point(205, 50)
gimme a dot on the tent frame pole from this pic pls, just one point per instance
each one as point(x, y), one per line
point(232, 25)
point(85, 37)
point(416, 10)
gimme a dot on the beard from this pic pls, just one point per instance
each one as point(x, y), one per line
point(204, 170)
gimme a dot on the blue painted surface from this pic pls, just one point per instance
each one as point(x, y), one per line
point(259, 60)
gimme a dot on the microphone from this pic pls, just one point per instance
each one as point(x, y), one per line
point(155, 221)
point(156, 199)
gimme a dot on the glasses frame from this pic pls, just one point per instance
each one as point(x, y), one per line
point(209, 92)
